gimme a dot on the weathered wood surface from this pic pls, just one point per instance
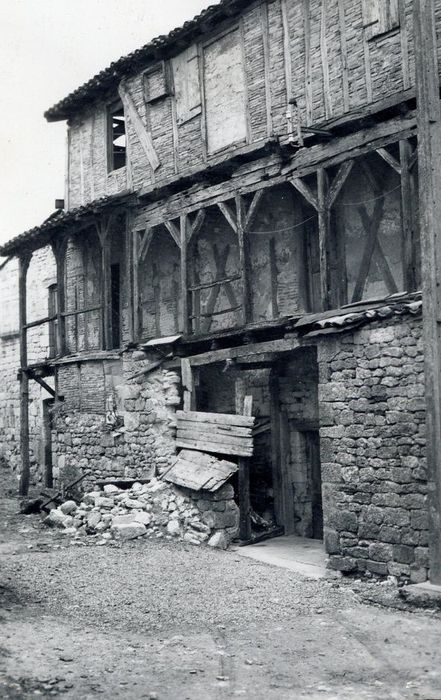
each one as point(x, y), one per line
point(197, 471)
point(429, 157)
point(23, 265)
point(244, 485)
point(225, 419)
point(215, 432)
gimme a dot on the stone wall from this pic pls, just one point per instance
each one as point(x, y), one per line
point(372, 415)
point(41, 275)
point(140, 444)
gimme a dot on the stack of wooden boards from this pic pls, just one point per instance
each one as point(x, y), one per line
point(221, 433)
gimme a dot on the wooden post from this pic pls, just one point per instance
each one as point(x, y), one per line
point(103, 229)
point(244, 260)
point(324, 221)
point(23, 265)
point(429, 159)
point(59, 248)
point(185, 328)
point(407, 207)
point(244, 484)
point(275, 446)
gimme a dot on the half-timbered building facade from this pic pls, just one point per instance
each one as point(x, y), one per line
point(241, 219)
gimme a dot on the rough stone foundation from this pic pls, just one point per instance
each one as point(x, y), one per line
point(372, 439)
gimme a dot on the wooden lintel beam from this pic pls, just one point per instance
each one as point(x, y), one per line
point(228, 214)
point(174, 232)
point(389, 159)
point(305, 191)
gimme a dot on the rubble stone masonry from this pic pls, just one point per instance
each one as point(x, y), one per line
point(372, 416)
point(140, 445)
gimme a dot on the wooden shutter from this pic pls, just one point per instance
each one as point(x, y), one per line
point(187, 88)
point(380, 16)
point(224, 86)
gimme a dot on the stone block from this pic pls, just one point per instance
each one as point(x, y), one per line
point(104, 502)
point(380, 552)
point(219, 540)
point(340, 563)
point(174, 528)
point(128, 531)
point(68, 507)
point(93, 518)
point(377, 567)
point(403, 554)
point(331, 541)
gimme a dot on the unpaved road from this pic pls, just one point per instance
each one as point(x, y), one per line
point(175, 622)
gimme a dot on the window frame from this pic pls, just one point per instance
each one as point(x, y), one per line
point(113, 107)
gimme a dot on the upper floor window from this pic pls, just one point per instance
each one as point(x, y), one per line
point(116, 136)
point(224, 92)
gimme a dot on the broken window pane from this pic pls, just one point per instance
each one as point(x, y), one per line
point(116, 124)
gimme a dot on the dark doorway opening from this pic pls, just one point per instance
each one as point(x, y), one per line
point(285, 470)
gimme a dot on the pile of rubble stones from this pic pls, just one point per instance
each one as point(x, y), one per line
point(156, 509)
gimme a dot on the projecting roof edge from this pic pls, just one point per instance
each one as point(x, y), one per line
point(59, 220)
point(176, 40)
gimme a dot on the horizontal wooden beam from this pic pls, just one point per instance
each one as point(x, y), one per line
point(282, 345)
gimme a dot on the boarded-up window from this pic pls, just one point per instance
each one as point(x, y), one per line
point(157, 82)
point(380, 16)
point(186, 84)
point(224, 85)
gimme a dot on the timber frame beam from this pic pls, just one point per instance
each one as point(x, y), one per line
point(321, 197)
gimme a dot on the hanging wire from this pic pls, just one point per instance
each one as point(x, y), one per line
point(367, 201)
point(310, 218)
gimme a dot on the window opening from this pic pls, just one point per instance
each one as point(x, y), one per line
point(117, 138)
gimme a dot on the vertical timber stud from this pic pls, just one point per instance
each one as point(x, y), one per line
point(407, 206)
point(429, 159)
point(185, 329)
point(244, 484)
point(23, 265)
point(244, 256)
point(59, 248)
point(324, 220)
point(103, 230)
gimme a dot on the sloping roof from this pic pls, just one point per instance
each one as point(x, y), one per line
point(39, 236)
point(157, 48)
point(355, 315)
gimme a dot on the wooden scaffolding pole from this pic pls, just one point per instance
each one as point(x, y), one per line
point(23, 265)
point(429, 160)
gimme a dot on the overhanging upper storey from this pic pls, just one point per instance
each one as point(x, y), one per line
point(240, 78)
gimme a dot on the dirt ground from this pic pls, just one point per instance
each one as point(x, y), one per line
point(175, 622)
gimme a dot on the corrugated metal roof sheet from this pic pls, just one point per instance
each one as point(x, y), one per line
point(137, 60)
